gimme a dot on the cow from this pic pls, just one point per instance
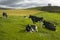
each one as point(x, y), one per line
point(5, 15)
point(49, 25)
point(25, 17)
point(31, 28)
point(36, 19)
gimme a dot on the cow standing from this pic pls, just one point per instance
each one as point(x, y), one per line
point(49, 25)
point(36, 19)
point(5, 15)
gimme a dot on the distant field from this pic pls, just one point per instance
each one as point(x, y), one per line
point(19, 12)
point(13, 28)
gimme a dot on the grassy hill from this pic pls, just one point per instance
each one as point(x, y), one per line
point(13, 28)
point(48, 8)
point(51, 9)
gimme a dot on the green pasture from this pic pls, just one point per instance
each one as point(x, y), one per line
point(13, 28)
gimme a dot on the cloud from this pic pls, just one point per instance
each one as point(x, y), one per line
point(55, 2)
point(27, 3)
point(9, 2)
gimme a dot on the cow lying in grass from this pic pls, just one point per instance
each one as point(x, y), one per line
point(31, 28)
point(49, 25)
point(36, 19)
point(5, 15)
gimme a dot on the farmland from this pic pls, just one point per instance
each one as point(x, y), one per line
point(13, 28)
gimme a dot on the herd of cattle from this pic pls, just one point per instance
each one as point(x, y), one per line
point(31, 28)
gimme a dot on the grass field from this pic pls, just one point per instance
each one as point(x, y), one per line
point(13, 28)
point(19, 12)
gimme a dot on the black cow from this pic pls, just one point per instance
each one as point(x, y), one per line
point(36, 19)
point(49, 25)
point(5, 15)
point(31, 28)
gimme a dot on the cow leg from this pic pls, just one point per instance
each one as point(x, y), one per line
point(5, 17)
point(36, 29)
point(31, 30)
point(34, 22)
point(41, 23)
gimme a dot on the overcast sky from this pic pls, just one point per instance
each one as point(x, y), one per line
point(27, 3)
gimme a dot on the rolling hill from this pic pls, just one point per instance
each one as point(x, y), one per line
point(48, 8)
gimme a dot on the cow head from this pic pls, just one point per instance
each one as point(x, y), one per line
point(29, 16)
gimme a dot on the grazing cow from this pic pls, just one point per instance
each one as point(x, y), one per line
point(49, 25)
point(36, 19)
point(31, 28)
point(25, 17)
point(4, 15)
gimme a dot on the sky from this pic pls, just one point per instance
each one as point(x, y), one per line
point(27, 3)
